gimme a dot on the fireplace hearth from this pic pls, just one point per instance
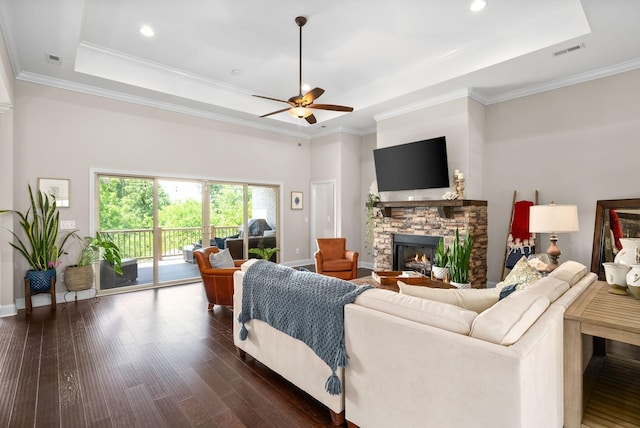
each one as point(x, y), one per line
point(437, 218)
point(414, 252)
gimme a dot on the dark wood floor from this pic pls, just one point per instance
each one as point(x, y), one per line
point(152, 358)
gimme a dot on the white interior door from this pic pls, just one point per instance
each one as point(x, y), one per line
point(323, 211)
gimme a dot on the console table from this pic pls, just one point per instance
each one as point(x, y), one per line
point(601, 314)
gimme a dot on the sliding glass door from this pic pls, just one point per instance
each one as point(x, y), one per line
point(159, 222)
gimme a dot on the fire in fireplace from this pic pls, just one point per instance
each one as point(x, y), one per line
point(414, 252)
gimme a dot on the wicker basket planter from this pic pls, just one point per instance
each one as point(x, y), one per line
point(78, 278)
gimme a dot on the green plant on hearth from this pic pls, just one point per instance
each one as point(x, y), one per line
point(441, 254)
point(40, 226)
point(460, 258)
point(372, 213)
point(264, 253)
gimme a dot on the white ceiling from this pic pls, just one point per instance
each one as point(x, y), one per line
point(381, 60)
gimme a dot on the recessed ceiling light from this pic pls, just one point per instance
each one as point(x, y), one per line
point(478, 5)
point(147, 31)
point(236, 72)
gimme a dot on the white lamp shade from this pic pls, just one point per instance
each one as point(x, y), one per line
point(553, 218)
point(300, 112)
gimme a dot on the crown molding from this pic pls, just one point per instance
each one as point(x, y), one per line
point(119, 96)
point(564, 82)
point(429, 102)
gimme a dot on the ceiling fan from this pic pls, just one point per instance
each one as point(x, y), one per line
point(301, 105)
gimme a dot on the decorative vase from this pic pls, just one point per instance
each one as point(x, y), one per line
point(630, 253)
point(440, 272)
point(40, 280)
point(461, 285)
point(633, 281)
point(78, 278)
point(616, 276)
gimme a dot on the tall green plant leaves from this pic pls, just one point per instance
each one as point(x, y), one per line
point(40, 225)
point(460, 258)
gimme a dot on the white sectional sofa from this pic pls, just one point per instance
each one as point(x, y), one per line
point(423, 363)
point(418, 362)
point(288, 357)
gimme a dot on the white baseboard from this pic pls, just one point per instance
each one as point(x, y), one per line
point(44, 299)
point(298, 263)
point(365, 265)
point(8, 310)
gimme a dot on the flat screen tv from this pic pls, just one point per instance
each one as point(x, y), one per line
point(419, 165)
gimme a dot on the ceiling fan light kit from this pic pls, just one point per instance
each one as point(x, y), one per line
point(301, 105)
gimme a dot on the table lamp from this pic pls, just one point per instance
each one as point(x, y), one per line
point(553, 219)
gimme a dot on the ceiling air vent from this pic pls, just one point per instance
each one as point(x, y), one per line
point(53, 59)
point(567, 50)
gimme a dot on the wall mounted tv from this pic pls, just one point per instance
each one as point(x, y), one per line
point(419, 165)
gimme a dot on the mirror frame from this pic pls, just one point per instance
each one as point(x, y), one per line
point(601, 206)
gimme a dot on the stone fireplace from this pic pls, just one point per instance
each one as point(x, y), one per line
point(431, 219)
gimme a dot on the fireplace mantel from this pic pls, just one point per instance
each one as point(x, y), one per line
point(445, 207)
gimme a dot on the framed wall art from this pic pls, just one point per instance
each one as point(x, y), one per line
point(296, 200)
point(56, 187)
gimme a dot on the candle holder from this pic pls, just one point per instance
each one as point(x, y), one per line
point(459, 184)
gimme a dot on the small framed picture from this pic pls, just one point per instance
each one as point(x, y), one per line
point(296, 200)
point(56, 187)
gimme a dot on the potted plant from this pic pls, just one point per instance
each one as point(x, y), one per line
point(40, 224)
point(80, 276)
point(264, 253)
point(372, 213)
point(459, 259)
point(440, 268)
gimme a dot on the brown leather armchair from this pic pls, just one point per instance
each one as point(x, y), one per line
point(333, 259)
point(218, 283)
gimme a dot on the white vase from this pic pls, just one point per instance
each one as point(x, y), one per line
point(630, 253)
point(461, 285)
point(616, 276)
point(633, 281)
point(440, 272)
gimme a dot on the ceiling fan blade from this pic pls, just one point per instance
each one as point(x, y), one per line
point(330, 107)
point(312, 95)
point(272, 99)
point(311, 119)
point(275, 112)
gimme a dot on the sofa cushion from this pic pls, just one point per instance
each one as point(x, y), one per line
point(522, 274)
point(476, 300)
point(569, 272)
point(506, 321)
point(429, 312)
point(551, 288)
point(221, 260)
point(338, 265)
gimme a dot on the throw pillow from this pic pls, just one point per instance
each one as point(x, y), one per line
point(522, 275)
point(221, 260)
point(507, 290)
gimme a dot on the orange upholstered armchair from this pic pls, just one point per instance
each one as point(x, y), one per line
point(333, 259)
point(218, 283)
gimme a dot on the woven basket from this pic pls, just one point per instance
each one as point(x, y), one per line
point(78, 278)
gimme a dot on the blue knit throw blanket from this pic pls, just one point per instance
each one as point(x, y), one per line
point(304, 305)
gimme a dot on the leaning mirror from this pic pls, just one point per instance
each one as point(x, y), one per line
point(616, 221)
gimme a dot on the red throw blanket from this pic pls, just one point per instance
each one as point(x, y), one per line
point(520, 223)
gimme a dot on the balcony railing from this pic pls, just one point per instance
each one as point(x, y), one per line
point(138, 243)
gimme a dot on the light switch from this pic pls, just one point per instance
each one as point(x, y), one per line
point(67, 224)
